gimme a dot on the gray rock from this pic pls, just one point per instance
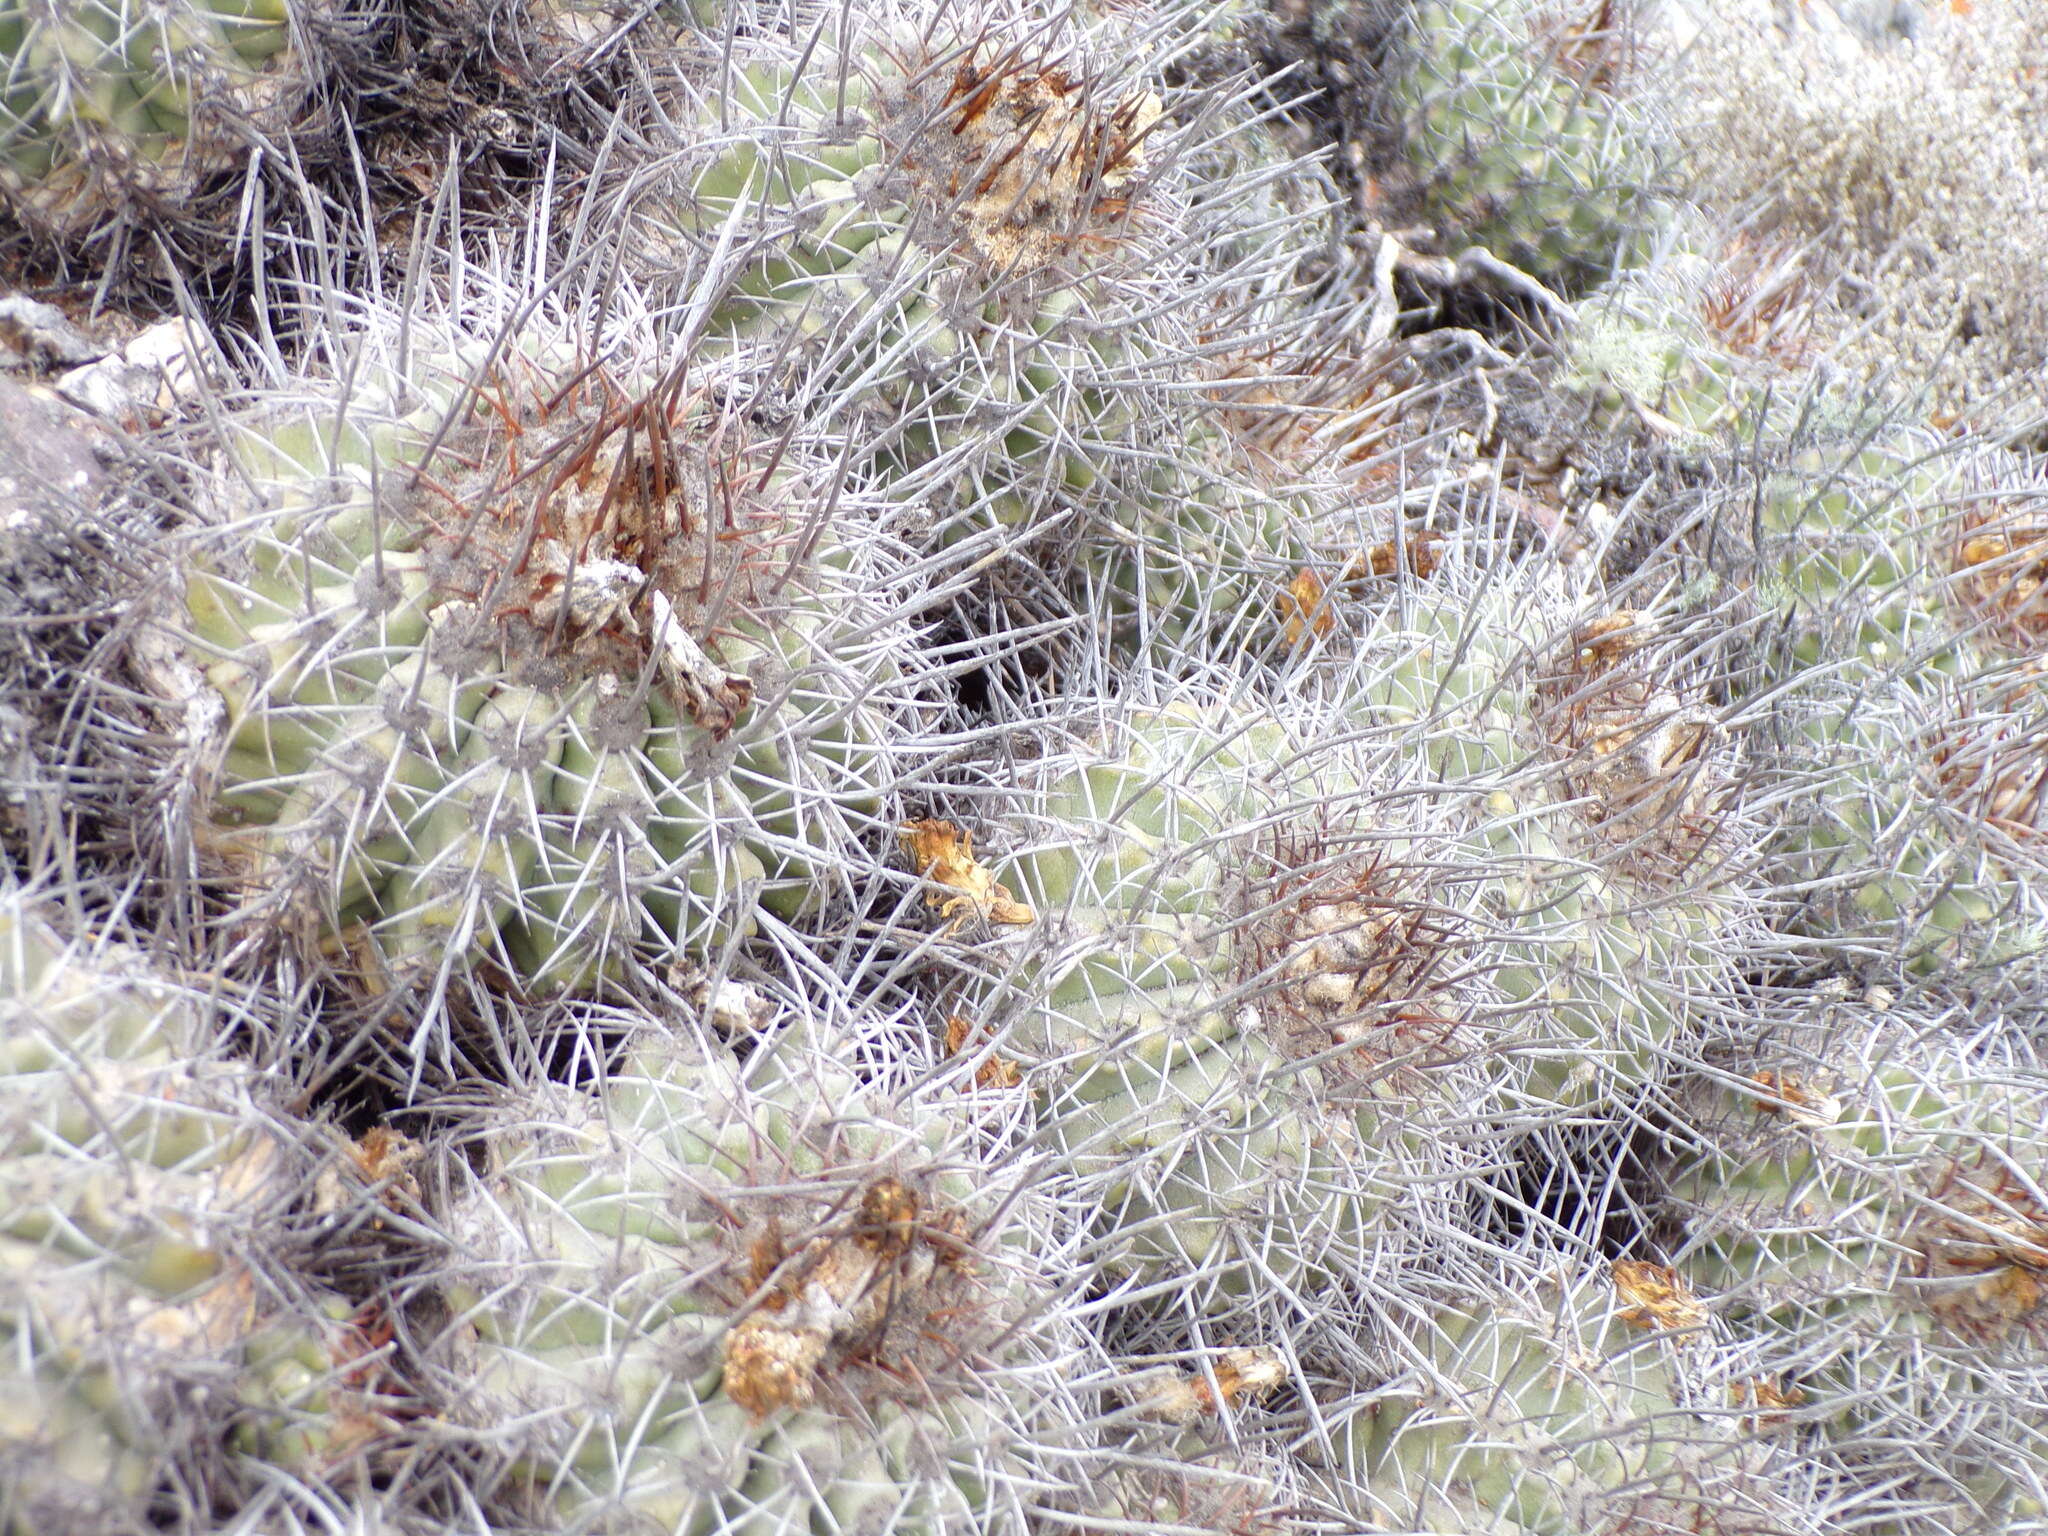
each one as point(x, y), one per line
point(40, 335)
point(48, 464)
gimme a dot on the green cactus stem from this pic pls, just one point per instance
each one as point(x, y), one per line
point(105, 105)
point(597, 673)
point(1520, 135)
point(727, 1297)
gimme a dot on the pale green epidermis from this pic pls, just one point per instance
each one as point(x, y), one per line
point(81, 72)
point(1847, 519)
point(1198, 555)
point(1809, 1226)
point(458, 812)
point(129, 1166)
point(1205, 1144)
point(1598, 973)
point(1848, 541)
point(1852, 540)
point(1883, 672)
point(1546, 170)
point(1780, 1204)
point(1530, 1410)
point(602, 1332)
point(1596, 965)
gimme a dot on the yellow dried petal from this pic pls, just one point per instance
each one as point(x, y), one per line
point(995, 1071)
point(1239, 1375)
point(944, 855)
point(1303, 610)
point(1656, 1296)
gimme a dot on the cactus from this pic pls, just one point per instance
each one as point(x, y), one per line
point(1527, 144)
point(1573, 1403)
point(144, 1309)
point(597, 671)
point(1223, 1009)
point(105, 104)
point(728, 1297)
point(1863, 1201)
point(1189, 1461)
point(902, 206)
point(1603, 864)
point(1197, 561)
point(974, 251)
point(1852, 553)
point(1918, 816)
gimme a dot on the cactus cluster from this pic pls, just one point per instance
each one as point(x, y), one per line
point(1525, 133)
point(521, 665)
point(1574, 1401)
point(946, 799)
point(103, 103)
point(153, 1320)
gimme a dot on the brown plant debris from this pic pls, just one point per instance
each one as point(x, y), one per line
point(944, 855)
point(1656, 1296)
point(1035, 158)
point(834, 1296)
point(1415, 552)
point(580, 531)
point(993, 1071)
point(381, 1161)
point(1237, 1376)
point(1348, 950)
point(1637, 752)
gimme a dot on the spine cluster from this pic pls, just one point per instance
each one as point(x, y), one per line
point(975, 768)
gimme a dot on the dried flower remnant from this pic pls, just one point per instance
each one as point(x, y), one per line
point(1771, 1399)
point(2001, 575)
point(964, 1037)
point(1984, 1247)
point(1347, 950)
point(1036, 158)
point(944, 855)
point(382, 1160)
point(833, 1294)
point(1656, 1296)
point(1414, 552)
point(1304, 612)
point(1799, 1101)
point(487, 664)
point(1237, 1376)
point(1637, 752)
